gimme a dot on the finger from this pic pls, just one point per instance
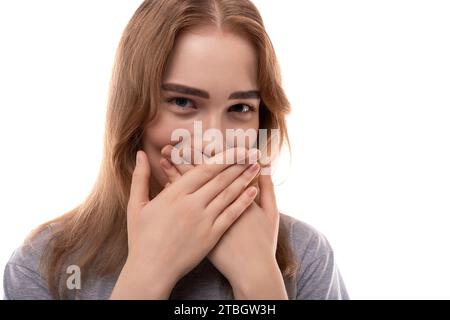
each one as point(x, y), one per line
point(267, 193)
point(170, 171)
point(182, 155)
point(139, 190)
point(189, 157)
point(201, 174)
point(255, 183)
point(220, 197)
point(234, 211)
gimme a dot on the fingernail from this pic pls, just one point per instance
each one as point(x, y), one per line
point(254, 167)
point(163, 150)
point(252, 191)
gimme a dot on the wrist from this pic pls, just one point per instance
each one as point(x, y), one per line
point(138, 282)
point(264, 281)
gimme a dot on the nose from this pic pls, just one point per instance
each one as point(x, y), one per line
point(212, 120)
point(214, 133)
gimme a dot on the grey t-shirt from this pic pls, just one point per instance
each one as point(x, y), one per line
point(317, 278)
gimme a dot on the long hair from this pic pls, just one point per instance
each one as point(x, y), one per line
point(93, 235)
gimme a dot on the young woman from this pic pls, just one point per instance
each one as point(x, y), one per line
point(155, 229)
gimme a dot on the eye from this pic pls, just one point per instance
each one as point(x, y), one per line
point(180, 102)
point(241, 108)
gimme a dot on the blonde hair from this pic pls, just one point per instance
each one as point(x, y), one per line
point(94, 234)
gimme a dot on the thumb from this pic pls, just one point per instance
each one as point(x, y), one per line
point(139, 192)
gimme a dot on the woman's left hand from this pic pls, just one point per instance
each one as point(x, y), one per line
point(246, 253)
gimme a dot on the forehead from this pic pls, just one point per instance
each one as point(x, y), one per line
point(212, 59)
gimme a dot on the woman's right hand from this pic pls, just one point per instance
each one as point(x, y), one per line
point(169, 235)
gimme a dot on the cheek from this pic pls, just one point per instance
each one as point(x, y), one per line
point(250, 139)
point(159, 131)
point(157, 135)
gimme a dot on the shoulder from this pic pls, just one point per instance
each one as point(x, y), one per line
point(306, 240)
point(29, 253)
point(318, 276)
point(22, 277)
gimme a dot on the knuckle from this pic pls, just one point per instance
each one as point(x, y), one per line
point(232, 214)
point(241, 184)
point(225, 194)
point(221, 179)
point(209, 171)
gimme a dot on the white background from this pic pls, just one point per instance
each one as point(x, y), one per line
point(369, 83)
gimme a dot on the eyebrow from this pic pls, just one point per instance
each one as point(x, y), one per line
point(252, 94)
